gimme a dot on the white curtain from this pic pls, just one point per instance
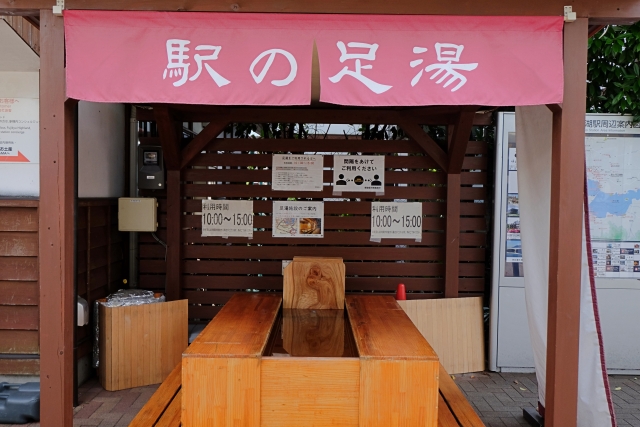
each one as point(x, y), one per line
point(533, 141)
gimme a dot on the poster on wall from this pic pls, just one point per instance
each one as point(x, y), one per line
point(358, 173)
point(513, 246)
point(227, 218)
point(298, 219)
point(19, 130)
point(394, 220)
point(296, 172)
point(612, 149)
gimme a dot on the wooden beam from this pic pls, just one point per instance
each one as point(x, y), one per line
point(208, 134)
point(610, 10)
point(565, 256)
point(440, 115)
point(56, 228)
point(428, 145)
point(174, 246)
point(460, 139)
point(555, 108)
point(169, 136)
point(452, 233)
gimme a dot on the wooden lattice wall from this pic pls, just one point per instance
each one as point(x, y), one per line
point(213, 268)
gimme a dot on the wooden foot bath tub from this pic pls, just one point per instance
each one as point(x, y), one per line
point(258, 365)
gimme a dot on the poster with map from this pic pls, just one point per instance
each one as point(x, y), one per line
point(298, 219)
point(613, 183)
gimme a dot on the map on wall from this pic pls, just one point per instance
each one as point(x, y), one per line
point(613, 182)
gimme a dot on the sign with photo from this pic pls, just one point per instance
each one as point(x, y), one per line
point(227, 218)
point(298, 219)
point(358, 173)
point(296, 172)
point(393, 220)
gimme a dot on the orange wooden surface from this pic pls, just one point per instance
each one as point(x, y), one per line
point(383, 330)
point(309, 392)
point(241, 329)
point(401, 393)
point(161, 400)
point(456, 401)
point(221, 391)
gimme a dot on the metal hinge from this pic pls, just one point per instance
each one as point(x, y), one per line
point(58, 8)
point(569, 14)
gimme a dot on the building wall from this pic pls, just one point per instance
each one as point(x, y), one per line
point(101, 150)
point(19, 293)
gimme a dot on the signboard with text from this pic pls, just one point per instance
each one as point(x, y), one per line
point(393, 220)
point(358, 173)
point(227, 218)
point(296, 172)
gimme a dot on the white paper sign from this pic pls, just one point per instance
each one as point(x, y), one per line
point(19, 130)
point(392, 220)
point(358, 173)
point(298, 219)
point(296, 172)
point(227, 218)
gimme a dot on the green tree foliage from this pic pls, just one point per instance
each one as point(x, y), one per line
point(613, 84)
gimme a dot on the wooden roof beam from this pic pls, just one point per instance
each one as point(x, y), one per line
point(428, 145)
point(608, 12)
point(169, 136)
point(460, 139)
point(208, 134)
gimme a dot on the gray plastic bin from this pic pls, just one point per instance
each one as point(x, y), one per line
point(19, 403)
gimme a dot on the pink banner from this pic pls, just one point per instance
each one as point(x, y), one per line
point(265, 59)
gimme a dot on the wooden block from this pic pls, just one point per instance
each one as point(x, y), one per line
point(382, 329)
point(241, 329)
point(141, 345)
point(454, 328)
point(220, 392)
point(313, 333)
point(314, 283)
point(401, 393)
point(399, 369)
point(309, 392)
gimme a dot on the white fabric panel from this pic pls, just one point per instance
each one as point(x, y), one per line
point(533, 145)
point(533, 139)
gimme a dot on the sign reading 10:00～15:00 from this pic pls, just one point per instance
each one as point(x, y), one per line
point(227, 218)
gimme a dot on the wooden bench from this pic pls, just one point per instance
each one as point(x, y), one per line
point(163, 409)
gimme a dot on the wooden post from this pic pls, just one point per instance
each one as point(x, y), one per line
point(170, 136)
point(565, 246)
point(56, 228)
point(452, 233)
point(459, 135)
point(174, 227)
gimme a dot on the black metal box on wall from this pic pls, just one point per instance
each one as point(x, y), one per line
point(150, 168)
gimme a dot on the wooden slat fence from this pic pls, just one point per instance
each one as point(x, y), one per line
point(99, 259)
point(213, 269)
point(19, 292)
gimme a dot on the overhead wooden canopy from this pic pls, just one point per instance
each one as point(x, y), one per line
point(598, 11)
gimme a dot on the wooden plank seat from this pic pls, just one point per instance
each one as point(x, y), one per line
point(163, 409)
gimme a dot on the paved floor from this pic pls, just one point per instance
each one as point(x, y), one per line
point(498, 399)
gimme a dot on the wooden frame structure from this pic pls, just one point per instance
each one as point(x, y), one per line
point(57, 172)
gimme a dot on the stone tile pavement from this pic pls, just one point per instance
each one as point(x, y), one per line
point(497, 397)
